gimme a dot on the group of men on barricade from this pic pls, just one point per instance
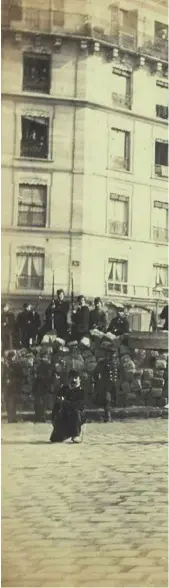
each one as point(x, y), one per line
point(27, 326)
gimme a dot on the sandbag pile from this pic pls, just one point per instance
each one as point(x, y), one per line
point(143, 378)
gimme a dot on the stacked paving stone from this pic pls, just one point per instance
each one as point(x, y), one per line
point(144, 378)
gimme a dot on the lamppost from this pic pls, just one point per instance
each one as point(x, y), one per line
point(158, 290)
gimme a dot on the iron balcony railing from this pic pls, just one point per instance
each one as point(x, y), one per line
point(118, 228)
point(135, 291)
point(54, 21)
point(34, 149)
point(160, 234)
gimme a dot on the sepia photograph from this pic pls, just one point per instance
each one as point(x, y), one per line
point(84, 293)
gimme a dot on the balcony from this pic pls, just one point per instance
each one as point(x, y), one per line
point(121, 100)
point(118, 228)
point(135, 291)
point(160, 234)
point(34, 150)
point(156, 47)
point(69, 23)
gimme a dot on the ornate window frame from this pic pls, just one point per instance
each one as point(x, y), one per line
point(39, 180)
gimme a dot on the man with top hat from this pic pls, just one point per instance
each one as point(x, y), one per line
point(98, 318)
point(119, 325)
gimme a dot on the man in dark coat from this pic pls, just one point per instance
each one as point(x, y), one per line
point(98, 319)
point(68, 411)
point(12, 385)
point(7, 328)
point(61, 315)
point(41, 386)
point(119, 325)
point(106, 381)
point(25, 325)
point(81, 320)
point(164, 317)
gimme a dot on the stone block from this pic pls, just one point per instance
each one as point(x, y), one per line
point(156, 392)
point(125, 386)
point(158, 373)
point(136, 385)
point(157, 383)
point(160, 364)
point(138, 373)
point(147, 374)
point(131, 398)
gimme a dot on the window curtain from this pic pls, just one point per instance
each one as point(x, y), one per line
point(37, 266)
point(160, 218)
point(119, 84)
point(161, 276)
point(118, 271)
point(22, 265)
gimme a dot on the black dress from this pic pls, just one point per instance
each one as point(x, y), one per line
point(67, 414)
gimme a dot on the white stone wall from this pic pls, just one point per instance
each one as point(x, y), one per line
point(78, 175)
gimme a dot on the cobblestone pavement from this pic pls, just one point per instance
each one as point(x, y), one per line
point(93, 514)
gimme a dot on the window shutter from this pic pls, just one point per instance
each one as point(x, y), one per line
point(127, 150)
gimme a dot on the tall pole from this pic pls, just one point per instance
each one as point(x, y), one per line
point(53, 298)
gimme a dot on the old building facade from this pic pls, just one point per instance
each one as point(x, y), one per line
point(84, 148)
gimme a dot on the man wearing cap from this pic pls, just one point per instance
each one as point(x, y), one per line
point(12, 384)
point(67, 414)
point(119, 325)
point(81, 320)
point(98, 319)
point(105, 382)
point(7, 328)
point(41, 385)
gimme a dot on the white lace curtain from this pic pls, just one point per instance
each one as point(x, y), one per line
point(117, 271)
point(161, 275)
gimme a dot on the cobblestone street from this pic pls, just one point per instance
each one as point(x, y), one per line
point(93, 514)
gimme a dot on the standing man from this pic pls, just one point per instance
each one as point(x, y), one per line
point(25, 325)
point(119, 325)
point(98, 318)
point(12, 384)
point(7, 328)
point(81, 320)
point(61, 315)
point(106, 381)
point(41, 386)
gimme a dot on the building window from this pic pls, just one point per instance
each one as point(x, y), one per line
point(161, 158)
point(121, 83)
point(162, 111)
point(35, 135)
point(161, 277)
point(15, 10)
point(162, 100)
point(128, 28)
point(118, 215)
point(119, 149)
point(160, 223)
point(30, 269)
point(36, 73)
point(32, 205)
point(117, 276)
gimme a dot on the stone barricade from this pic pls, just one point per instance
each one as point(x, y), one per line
point(142, 361)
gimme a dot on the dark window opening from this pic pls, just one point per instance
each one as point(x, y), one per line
point(162, 111)
point(35, 136)
point(161, 153)
point(36, 73)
